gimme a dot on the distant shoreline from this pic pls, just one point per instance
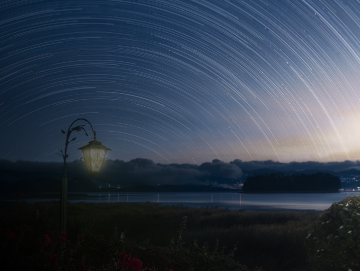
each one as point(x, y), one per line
point(136, 188)
point(290, 192)
point(87, 194)
point(249, 209)
point(42, 196)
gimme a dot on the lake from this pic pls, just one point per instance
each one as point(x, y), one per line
point(234, 201)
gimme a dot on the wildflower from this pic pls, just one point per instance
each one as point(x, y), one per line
point(82, 266)
point(80, 238)
point(345, 209)
point(341, 227)
point(135, 264)
point(62, 237)
point(11, 235)
point(128, 262)
point(8, 233)
point(53, 259)
point(47, 239)
point(349, 231)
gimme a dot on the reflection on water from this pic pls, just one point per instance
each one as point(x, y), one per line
point(235, 201)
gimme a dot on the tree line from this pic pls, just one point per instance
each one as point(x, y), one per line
point(299, 182)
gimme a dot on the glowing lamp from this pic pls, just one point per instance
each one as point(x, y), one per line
point(94, 156)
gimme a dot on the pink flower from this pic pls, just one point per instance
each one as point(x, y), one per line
point(47, 239)
point(53, 259)
point(130, 263)
point(62, 237)
point(83, 267)
point(11, 235)
point(8, 233)
point(135, 264)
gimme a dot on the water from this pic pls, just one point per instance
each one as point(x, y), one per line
point(234, 201)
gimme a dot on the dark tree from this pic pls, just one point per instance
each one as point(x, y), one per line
point(280, 182)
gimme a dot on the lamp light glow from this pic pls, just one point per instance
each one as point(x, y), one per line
point(94, 156)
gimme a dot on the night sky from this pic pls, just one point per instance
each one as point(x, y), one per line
point(181, 81)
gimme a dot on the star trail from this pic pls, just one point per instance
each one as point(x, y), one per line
point(182, 81)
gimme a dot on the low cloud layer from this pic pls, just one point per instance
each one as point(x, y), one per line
point(145, 171)
point(136, 171)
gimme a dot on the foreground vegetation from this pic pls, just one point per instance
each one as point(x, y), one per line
point(333, 242)
point(119, 236)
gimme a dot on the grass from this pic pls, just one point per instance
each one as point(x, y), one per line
point(270, 240)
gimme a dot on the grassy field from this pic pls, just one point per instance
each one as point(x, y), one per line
point(270, 240)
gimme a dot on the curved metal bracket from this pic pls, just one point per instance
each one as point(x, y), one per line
point(87, 122)
point(64, 154)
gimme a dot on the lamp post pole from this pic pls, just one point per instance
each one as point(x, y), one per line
point(63, 196)
point(63, 205)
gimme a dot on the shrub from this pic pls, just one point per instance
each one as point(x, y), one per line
point(334, 242)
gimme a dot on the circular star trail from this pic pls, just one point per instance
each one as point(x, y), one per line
point(182, 81)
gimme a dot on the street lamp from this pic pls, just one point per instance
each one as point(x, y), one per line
point(94, 156)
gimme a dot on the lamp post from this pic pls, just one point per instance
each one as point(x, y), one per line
point(94, 156)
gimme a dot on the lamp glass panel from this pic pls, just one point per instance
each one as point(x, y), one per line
point(97, 159)
point(87, 158)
